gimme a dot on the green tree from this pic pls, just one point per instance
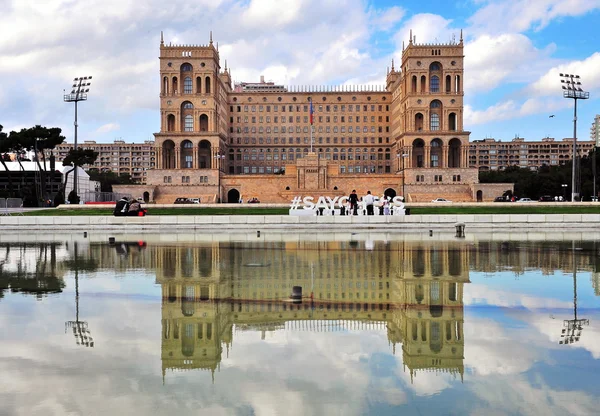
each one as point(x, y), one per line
point(5, 147)
point(108, 179)
point(37, 139)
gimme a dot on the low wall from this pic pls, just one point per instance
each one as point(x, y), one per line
point(232, 223)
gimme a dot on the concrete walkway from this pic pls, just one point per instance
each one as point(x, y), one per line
point(179, 223)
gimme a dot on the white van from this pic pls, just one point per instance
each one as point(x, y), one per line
point(195, 200)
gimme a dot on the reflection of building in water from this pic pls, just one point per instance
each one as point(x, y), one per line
point(596, 283)
point(413, 290)
point(520, 256)
point(36, 269)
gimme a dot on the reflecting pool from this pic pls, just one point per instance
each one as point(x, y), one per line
point(387, 324)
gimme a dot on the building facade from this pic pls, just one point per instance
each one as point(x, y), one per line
point(492, 154)
point(224, 143)
point(119, 157)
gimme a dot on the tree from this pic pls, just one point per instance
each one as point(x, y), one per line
point(37, 139)
point(6, 147)
point(108, 179)
point(77, 157)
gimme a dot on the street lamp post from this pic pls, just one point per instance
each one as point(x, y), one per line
point(219, 156)
point(564, 186)
point(78, 93)
point(402, 156)
point(572, 89)
point(572, 328)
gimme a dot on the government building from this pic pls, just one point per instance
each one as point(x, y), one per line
point(224, 143)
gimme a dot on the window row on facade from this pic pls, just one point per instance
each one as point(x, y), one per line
point(306, 140)
point(306, 108)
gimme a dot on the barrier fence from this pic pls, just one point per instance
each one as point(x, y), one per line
point(10, 206)
point(99, 197)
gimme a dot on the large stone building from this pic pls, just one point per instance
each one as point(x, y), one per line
point(222, 143)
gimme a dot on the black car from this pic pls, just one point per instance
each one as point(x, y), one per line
point(547, 198)
point(501, 199)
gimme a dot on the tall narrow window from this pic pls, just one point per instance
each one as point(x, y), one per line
point(187, 85)
point(434, 84)
point(189, 123)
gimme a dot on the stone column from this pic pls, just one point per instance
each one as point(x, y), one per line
point(159, 156)
point(426, 156)
point(444, 163)
point(177, 158)
point(195, 157)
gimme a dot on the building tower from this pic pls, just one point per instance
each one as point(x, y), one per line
point(193, 113)
point(427, 113)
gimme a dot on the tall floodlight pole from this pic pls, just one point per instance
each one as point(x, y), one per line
point(572, 89)
point(78, 93)
point(572, 328)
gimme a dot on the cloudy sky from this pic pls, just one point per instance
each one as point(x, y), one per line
point(514, 51)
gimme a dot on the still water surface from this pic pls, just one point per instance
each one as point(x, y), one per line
point(396, 325)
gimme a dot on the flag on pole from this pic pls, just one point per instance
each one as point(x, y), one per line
point(311, 113)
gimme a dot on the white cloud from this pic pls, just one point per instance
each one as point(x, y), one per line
point(108, 127)
point(494, 60)
point(387, 19)
point(549, 84)
point(521, 15)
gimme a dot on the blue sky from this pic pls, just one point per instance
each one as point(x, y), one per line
point(514, 50)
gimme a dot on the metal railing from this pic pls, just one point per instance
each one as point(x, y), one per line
point(9, 206)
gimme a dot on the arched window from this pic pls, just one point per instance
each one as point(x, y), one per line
point(198, 85)
point(165, 87)
point(435, 66)
point(207, 87)
point(170, 122)
point(434, 84)
point(457, 84)
point(175, 87)
point(186, 68)
point(448, 82)
point(203, 122)
point(187, 85)
point(187, 105)
point(414, 84)
point(418, 122)
point(188, 123)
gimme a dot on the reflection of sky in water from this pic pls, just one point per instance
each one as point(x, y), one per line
point(513, 363)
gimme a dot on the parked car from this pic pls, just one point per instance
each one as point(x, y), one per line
point(440, 200)
point(501, 199)
point(547, 198)
point(525, 200)
point(183, 201)
point(195, 200)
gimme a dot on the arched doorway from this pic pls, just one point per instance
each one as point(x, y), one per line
point(435, 153)
point(146, 197)
point(454, 150)
point(204, 156)
point(418, 152)
point(203, 122)
point(187, 155)
point(480, 196)
point(168, 153)
point(233, 196)
point(389, 193)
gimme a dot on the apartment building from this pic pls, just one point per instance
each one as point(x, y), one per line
point(119, 157)
point(492, 154)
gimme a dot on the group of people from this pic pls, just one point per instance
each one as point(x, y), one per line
point(126, 207)
point(368, 202)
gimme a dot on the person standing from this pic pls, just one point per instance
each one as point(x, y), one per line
point(369, 201)
point(353, 198)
